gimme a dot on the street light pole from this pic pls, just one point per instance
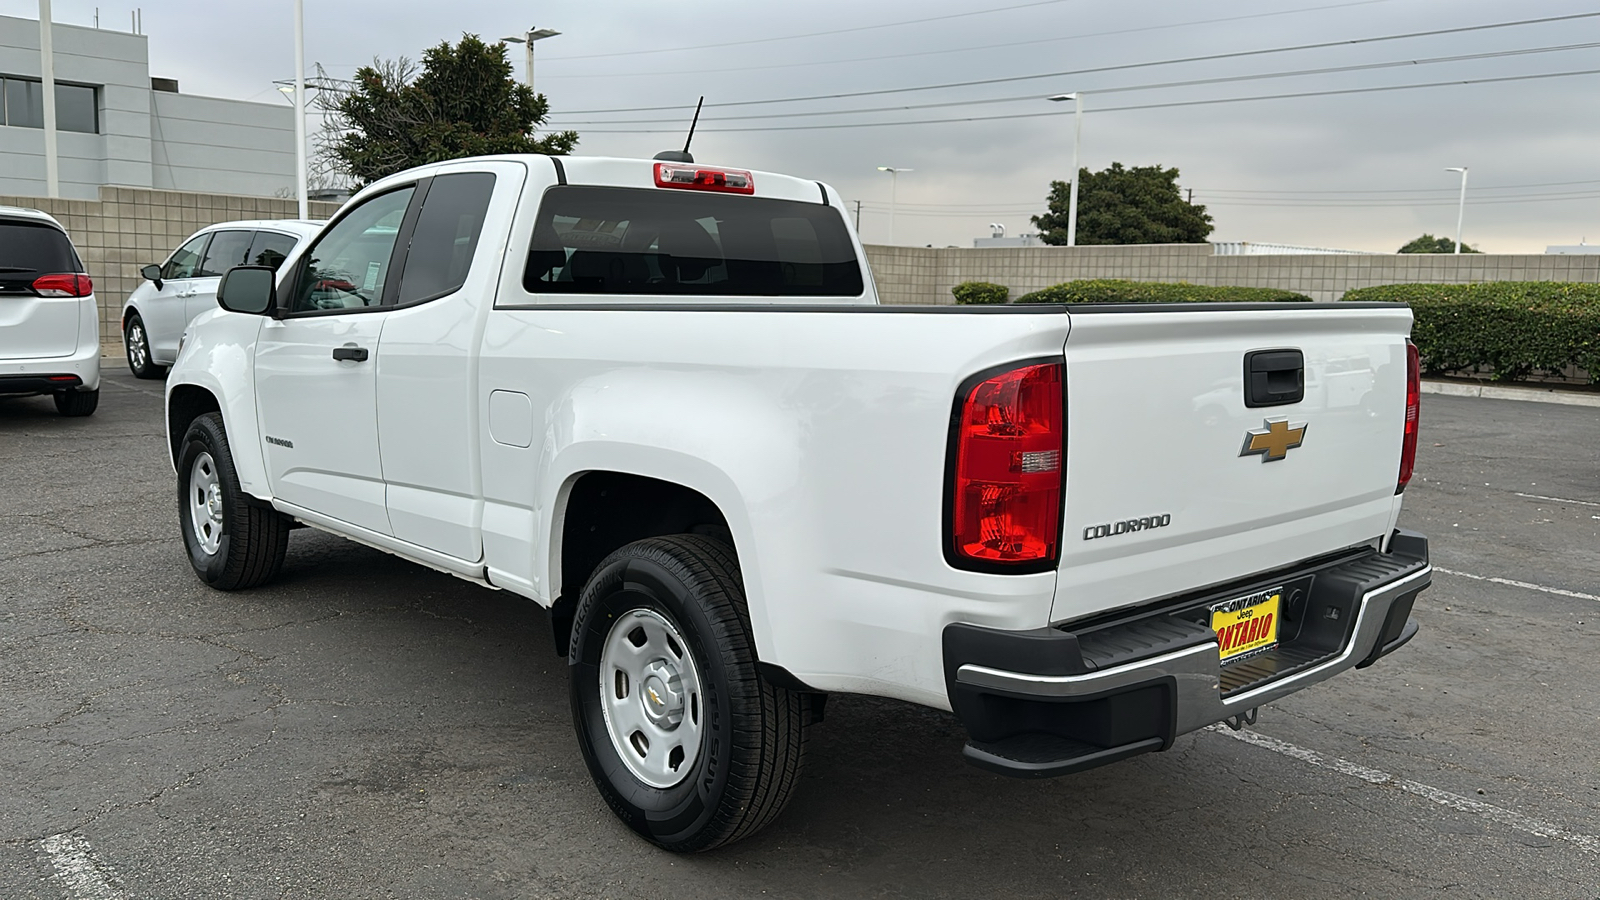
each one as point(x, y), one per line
point(894, 183)
point(302, 191)
point(47, 72)
point(527, 39)
point(1461, 208)
point(1077, 140)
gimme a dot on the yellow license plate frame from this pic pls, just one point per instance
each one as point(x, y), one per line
point(1248, 625)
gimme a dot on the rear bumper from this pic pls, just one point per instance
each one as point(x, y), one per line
point(1055, 701)
point(31, 375)
point(47, 376)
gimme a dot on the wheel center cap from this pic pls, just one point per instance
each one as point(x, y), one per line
point(661, 695)
point(214, 502)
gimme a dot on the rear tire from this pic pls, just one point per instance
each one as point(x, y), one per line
point(136, 343)
point(233, 542)
point(749, 737)
point(77, 403)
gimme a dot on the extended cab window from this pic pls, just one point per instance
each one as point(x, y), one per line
point(348, 265)
point(446, 235)
point(184, 262)
point(604, 240)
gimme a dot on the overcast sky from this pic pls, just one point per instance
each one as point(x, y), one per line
point(1352, 170)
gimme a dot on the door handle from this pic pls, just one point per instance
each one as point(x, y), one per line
point(350, 352)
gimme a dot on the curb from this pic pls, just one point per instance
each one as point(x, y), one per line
point(1500, 392)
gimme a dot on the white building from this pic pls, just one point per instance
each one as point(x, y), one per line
point(117, 125)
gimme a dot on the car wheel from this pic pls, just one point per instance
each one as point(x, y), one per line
point(136, 341)
point(233, 543)
point(686, 742)
point(77, 403)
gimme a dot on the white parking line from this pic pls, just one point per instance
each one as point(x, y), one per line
point(1521, 584)
point(1506, 817)
point(78, 869)
point(1557, 499)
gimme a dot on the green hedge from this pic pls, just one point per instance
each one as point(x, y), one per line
point(1515, 328)
point(968, 292)
point(1110, 290)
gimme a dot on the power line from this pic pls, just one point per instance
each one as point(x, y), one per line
point(974, 48)
point(812, 34)
point(1111, 109)
point(1228, 79)
point(1097, 69)
point(1450, 190)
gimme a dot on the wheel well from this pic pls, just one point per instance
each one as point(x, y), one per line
point(186, 403)
point(606, 510)
point(128, 313)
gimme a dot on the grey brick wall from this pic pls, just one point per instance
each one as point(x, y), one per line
point(130, 227)
point(923, 275)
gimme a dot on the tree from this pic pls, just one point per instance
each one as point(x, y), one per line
point(1141, 205)
point(464, 102)
point(1430, 244)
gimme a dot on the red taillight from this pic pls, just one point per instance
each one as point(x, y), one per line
point(1408, 445)
point(1006, 505)
point(694, 178)
point(63, 286)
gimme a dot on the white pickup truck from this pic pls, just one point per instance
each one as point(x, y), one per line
point(661, 400)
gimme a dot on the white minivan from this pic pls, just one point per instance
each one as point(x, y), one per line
point(49, 323)
point(174, 292)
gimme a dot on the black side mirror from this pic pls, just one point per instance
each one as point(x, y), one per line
point(246, 289)
point(152, 273)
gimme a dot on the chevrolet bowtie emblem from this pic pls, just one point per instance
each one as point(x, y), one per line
point(1275, 440)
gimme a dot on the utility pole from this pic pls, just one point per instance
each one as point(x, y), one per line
point(1191, 196)
point(47, 68)
point(301, 190)
point(1461, 207)
point(894, 182)
point(527, 39)
point(858, 217)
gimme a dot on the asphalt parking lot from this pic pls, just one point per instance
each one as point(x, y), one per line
point(364, 727)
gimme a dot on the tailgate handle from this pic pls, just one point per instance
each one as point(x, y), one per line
point(1274, 377)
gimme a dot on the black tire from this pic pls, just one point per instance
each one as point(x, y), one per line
point(77, 403)
point(136, 345)
point(754, 734)
point(253, 537)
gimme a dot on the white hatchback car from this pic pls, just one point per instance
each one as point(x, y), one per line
point(174, 292)
point(49, 323)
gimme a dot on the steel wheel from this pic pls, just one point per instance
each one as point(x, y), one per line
point(651, 692)
point(205, 503)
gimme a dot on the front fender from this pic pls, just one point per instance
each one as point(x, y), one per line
point(218, 356)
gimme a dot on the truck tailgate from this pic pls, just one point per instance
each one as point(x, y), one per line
point(1162, 494)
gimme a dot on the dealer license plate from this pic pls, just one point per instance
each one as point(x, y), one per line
point(1247, 625)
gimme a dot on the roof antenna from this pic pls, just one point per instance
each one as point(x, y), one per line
point(682, 156)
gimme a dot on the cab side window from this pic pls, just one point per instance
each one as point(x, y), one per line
point(446, 235)
point(226, 251)
point(186, 260)
point(269, 249)
point(349, 264)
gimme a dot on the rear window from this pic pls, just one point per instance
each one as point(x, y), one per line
point(26, 247)
point(604, 240)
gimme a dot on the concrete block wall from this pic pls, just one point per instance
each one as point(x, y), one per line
point(925, 275)
point(128, 228)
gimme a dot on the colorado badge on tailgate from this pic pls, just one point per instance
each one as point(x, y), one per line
point(1247, 625)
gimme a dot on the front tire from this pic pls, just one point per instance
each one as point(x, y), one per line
point(686, 742)
point(77, 403)
point(233, 543)
point(136, 342)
